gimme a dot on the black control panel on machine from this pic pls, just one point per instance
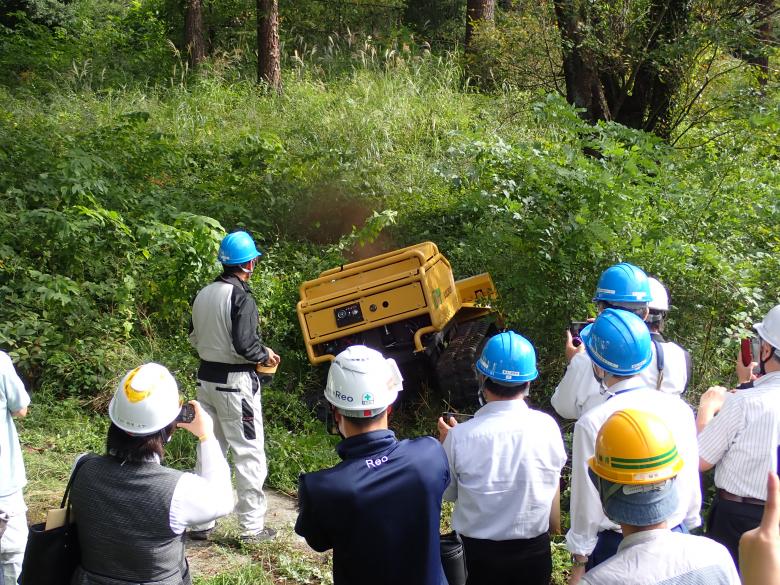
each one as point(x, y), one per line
point(348, 315)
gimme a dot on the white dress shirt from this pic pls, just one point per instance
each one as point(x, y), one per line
point(586, 513)
point(661, 556)
point(505, 465)
point(742, 440)
point(578, 391)
point(202, 498)
point(198, 499)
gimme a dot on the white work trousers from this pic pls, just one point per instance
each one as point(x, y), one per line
point(14, 539)
point(238, 426)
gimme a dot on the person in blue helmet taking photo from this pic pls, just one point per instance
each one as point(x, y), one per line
point(623, 287)
point(619, 346)
point(505, 466)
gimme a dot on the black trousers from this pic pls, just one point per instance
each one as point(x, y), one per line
point(508, 562)
point(730, 520)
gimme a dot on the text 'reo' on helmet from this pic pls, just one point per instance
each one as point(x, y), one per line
point(237, 248)
point(619, 342)
point(362, 382)
point(145, 401)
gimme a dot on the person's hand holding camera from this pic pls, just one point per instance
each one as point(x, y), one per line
point(745, 373)
point(201, 426)
point(445, 426)
point(571, 349)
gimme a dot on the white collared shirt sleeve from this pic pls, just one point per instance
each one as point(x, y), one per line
point(586, 514)
point(14, 395)
point(578, 391)
point(198, 499)
point(716, 438)
point(741, 441)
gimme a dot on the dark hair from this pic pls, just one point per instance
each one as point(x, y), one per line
point(639, 311)
point(505, 391)
point(656, 320)
point(137, 448)
point(363, 422)
point(227, 270)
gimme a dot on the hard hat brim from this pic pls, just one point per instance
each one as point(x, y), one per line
point(644, 508)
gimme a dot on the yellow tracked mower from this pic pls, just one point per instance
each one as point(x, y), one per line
point(406, 304)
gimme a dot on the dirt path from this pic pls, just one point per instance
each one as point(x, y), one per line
point(222, 553)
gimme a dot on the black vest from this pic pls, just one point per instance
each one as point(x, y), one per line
point(123, 516)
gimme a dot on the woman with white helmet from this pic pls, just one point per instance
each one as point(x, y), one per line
point(132, 511)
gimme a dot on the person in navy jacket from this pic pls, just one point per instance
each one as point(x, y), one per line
point(378, 509)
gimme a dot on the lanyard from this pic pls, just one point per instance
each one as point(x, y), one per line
point(613, 394)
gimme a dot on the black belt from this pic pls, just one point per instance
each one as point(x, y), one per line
point(217, 372)
point(724, 495)
point(250, 367)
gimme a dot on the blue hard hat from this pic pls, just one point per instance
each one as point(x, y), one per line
point(508, 358)
point(619, 342)
point(623, 283)
point(237, 248)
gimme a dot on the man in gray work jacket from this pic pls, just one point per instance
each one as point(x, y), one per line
point(225, 334)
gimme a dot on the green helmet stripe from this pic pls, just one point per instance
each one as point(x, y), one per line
point(646, 459)
point(647, 463)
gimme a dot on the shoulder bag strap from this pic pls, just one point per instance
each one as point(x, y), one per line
point(76, 468)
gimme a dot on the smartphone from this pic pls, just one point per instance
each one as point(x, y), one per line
point(186, 414)
point(458, 416)
point(575, 327)
point(746, 351)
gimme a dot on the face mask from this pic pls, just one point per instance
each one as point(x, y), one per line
point(600, 380)
point(251, 268)
point(762, 362)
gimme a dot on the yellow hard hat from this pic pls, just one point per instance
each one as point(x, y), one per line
point(635, 448)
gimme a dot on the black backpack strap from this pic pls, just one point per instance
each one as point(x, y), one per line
point(659, 361)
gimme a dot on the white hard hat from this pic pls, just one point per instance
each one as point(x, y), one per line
point(146, 400)
point(769, 328)
point(362, 383)
point(659, 295)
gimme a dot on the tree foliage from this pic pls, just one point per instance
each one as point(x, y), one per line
point(121, 167)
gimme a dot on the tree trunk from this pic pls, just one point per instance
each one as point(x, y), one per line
point(638, 95)
point(477, 11)
point(760, 60)
point(580, 67)
point(194, 40)
point(268, 59)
